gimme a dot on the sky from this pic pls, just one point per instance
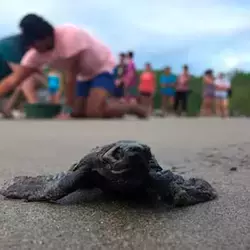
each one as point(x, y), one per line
point(201, 33)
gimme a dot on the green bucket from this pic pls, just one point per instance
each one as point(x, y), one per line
point(41, 110)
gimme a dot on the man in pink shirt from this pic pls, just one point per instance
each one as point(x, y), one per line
point(87, 62)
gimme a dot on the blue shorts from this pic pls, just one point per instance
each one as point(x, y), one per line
point(104, 81)
point(53, 91)
point(167, 92)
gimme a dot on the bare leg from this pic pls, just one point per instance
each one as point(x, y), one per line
point(79, 107)
point(52, 99)
point(177, 191)
point(98, 106)
point(202, 108)
point(146, 101)
point(170, 104)
point(218, 107)
point(225, 110)
point(57, 97)
point(151, 105)
point(164, 104)
point(11, 102)
point(28, 88)
point(206, 108)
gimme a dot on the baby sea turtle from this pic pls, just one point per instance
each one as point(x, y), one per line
point(123, 167)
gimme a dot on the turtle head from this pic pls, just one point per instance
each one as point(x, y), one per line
point(126, 157)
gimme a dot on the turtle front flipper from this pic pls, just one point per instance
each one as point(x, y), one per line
point(44, 188)
point(177, 191)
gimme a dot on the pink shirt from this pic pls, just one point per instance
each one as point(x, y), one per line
point(182, 82)
point(147, 82)
point(130, 75)
point(94, 56)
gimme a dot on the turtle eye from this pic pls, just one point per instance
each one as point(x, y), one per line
point(118, 153)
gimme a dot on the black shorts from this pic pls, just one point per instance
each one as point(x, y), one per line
point(145, 94)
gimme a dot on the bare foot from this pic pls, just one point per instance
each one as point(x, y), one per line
point(139, 110)
point(7, 114)
point(63, 116)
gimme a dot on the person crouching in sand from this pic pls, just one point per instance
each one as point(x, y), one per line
point(87, 63)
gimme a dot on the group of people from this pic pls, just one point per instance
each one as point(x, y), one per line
point(95, 86)
point(87, 63)
point(216, 94)
point(175, 89)
point(125, 75)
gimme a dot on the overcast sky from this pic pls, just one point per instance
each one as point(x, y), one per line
point(201, 33)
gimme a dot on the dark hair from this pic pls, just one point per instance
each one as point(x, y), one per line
point(185, 66)
point(208, 72)
point(122, 54)
point(131, 54)
point(35, 28)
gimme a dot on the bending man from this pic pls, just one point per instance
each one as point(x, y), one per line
point(87, 62)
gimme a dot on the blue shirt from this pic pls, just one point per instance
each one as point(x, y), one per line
point(53, 82)
point(167, 79)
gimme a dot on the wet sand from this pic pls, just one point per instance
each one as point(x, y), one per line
point(203, 147)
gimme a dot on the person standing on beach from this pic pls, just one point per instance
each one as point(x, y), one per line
point(130, 77)
point(167, 90)
point(208, 93)
point(119, 73)
point(222, 86)
point(182, 89)
point(88, 65)
point(147, 86)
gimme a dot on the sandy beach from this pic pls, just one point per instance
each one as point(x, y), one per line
point(203, 147)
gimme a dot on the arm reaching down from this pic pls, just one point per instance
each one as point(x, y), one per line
point(70, 79)
point(15, 79)
point(70, 84)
